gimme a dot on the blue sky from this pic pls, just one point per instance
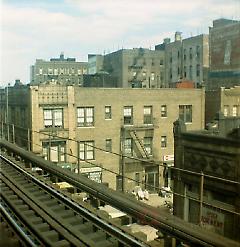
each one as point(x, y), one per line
point(43, 29)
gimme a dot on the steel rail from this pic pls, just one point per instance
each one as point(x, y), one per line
point(170, 225)
point(18, 230)
point(123, 237)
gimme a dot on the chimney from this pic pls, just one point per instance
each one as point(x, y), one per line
point(62, 56)
point(178, 36)
point(166, 40)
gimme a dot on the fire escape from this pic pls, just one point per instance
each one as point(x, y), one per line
point(136, 68)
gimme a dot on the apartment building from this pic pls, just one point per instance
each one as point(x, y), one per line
point(209, 177)
point(136, 68)
point(224, 100)
point(95, 63)
point(58, 71)
point(186, 59)
point(114, 132)
point(224, 45)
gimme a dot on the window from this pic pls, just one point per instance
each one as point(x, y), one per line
point(85, 116)
point(161, 61)
point(108, 112)
point(79, 72)
point(226, 110)
point(190, 72)
point(55, 71)
point(184, 54)
point(144, 74)
point(128, 114)
point(147, 111)
point(134, 74)
point(53, 118)
point(40, 71)
point(190, 53)
point(147, 142)
point(86, 150)
point(163, 111)
point(128, 146)
point(56, 152)
point(137, 178)
point(108, 147)
point(185, 113)
point(198, 52)
point(185, 71)
point(152, 76)
point(50, 71)
point(62, 71)
point(163, 141)
point(170, 73)
point(235, 111)
point(198, 70)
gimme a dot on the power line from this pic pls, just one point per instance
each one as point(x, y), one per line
point(158, 163)
point(139, 182)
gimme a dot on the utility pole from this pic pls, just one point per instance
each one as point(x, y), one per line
point(7, 115)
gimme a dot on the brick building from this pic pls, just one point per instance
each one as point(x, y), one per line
point(224, 47)
point(209, 179)
point(186, 59)
point(225, 100)
point(136, 123)
point(58, 70)
point(136, 68)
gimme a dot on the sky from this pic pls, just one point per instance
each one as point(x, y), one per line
point(34, 29)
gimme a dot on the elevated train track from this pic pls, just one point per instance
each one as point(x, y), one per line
point(52, 218)
point(167, 224)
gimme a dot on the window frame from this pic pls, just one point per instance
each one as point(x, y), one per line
point(148, 144)
point(86, 150)
point(235, 110)
point(163, 112)
point(83, 118)
point(108, 115)
point(226, 110)
point(163, 141)
point(128, 146)
point(108, 145)
point(128, 118)
point(184, 115)
point(61, 150)
point(148, 118)
point(52, 117)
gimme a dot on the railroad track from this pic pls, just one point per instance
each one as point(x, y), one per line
point(43, 216)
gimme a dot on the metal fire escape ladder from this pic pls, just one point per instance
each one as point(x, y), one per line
point(139, 144)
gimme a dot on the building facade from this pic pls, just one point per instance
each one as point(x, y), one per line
point(209, 178)
point(225, 100)
point(58, 70)
point(95, 63)
point(125, 131)
point(136, 68)
point(186, 59)
point(224, 43)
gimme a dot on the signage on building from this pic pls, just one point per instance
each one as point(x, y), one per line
point(212, 220)
point(93, 173)
point(169, 159)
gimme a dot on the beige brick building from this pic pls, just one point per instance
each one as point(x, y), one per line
point(225, 100)
point(136, 123)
